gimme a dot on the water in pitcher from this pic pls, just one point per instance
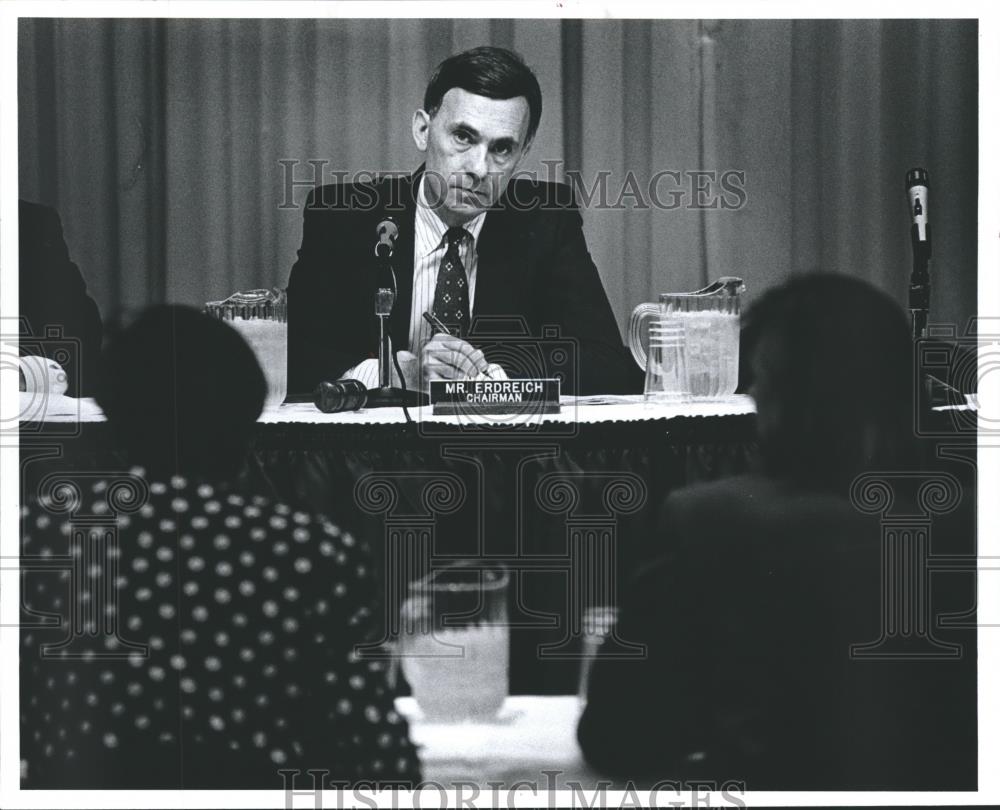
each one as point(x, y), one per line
point(261, 317)
point(466, 681)
point(712, 341)
point(709, 319)
point(269, 341)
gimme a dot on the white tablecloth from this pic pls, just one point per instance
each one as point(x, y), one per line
point(581, 410)
point(530, 735)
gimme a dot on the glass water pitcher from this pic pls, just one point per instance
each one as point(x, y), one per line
point(710, 321)
point(261, 317)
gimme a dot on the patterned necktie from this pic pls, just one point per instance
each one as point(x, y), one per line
point(451, 295)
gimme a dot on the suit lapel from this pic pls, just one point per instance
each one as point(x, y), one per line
point(403, 194)
point(503, 254)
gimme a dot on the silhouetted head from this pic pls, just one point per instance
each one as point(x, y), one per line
point(831, 368)
point(182, 391)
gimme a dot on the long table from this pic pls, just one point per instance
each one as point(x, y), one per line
point(568, 502)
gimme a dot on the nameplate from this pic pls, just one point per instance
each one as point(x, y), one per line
point(456, 397)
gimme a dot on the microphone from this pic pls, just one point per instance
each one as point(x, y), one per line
point(917, 187)
point(385, 295)
point(342, 395)
point(386, 231)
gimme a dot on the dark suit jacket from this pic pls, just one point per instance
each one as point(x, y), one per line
point(533, 271)
point(748, 625)
point(53, 294)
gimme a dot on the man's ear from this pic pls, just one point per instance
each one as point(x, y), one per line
point(421, 128)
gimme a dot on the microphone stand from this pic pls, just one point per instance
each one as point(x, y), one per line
point(387, 395)
point(934, 390)
point(384, 299)
point(920, 286)
point(917, 185)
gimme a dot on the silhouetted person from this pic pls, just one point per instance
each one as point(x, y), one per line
point(771, 578)
point(832, 375)
point(192, 378)
point(233, 617)
point(52, 293)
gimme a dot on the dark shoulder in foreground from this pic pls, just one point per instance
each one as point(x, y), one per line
point(33, 214)
point(754, 496)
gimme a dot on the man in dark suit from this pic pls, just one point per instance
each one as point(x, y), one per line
point(770, 582)
point(52, 293)
point(490, 256)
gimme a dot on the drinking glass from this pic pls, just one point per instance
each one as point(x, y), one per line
point(598, 623)
point(454, 642)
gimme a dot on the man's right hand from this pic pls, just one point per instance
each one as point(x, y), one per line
point(445, 357)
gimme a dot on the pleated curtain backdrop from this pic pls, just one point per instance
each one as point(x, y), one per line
point(166, 145)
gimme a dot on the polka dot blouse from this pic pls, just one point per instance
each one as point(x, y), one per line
point(180, 635)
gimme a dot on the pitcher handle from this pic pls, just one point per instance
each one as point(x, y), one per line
point(637, 327)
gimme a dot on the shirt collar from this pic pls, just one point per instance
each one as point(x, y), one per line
point(434, 227)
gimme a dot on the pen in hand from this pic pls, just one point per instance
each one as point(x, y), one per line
point(438, 327)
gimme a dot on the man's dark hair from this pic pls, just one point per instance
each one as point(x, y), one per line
point(491, 72)
point(182, 392)
point(832, 371)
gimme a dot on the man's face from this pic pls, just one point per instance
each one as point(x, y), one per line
point(472, 146)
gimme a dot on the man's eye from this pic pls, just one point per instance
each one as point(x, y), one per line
point(503, 151)
point(463, 137)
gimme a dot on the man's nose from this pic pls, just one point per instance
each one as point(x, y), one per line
point(475, 162)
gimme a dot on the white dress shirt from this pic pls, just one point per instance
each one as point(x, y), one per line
point(429, 247)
